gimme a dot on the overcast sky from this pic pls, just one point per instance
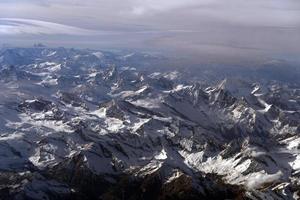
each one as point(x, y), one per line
point(237, 28)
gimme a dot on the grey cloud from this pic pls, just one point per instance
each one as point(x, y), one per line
point(15, 26)
point(135, 11)
point(236, 27)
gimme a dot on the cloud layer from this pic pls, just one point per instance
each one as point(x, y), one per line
point(156, 12)
point(15, 26)
point(232, 27)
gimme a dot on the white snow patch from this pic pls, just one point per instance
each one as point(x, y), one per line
point(113, 124)
point(51, 53)
point(98, 54)
point(147, 103)
point(256, 88)
point(258, 179)
point(128, 55)
point(174, 176)
point(161, 155)
point(172, 75)
point(101, 113)
point(93, 75)
point(49, 81)
point(12, 136)
point(154, 75)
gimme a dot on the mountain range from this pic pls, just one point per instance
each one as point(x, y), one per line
point(87, 124)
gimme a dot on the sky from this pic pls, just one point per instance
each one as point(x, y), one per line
point(211, 28)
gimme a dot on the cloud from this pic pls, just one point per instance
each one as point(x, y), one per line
point(235, 27)
point(153, 6)
point(156, 13)
point(15, 26)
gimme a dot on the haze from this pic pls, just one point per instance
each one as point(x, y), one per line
point(230, 29)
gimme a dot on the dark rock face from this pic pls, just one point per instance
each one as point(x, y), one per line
point(31, 185)
point(152, 186)
point(50, 110)
point(72, 179)
point(73, 99)
point(36, 105)
point(113, 110)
